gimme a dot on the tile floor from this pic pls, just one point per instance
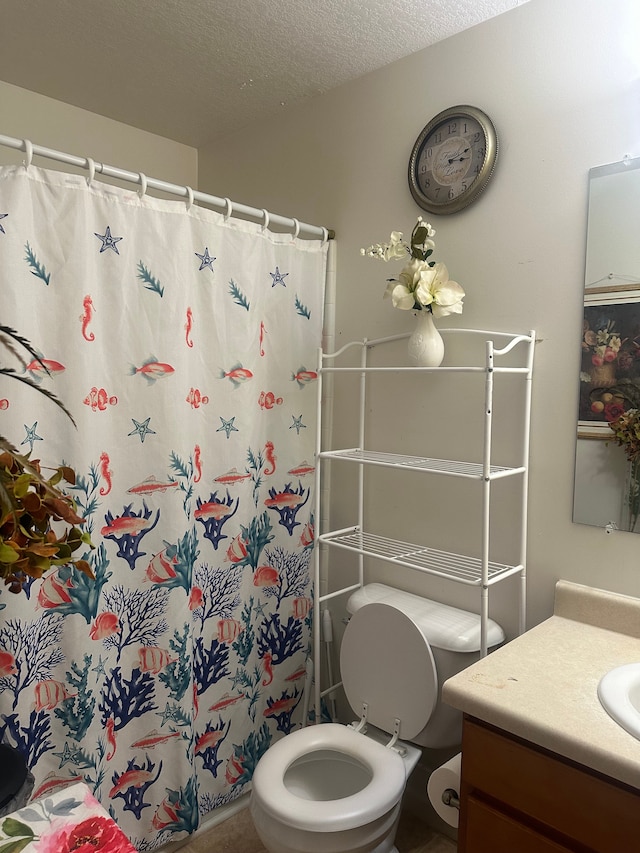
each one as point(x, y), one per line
point(237, 835)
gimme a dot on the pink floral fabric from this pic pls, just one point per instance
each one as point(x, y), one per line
point(68, 821)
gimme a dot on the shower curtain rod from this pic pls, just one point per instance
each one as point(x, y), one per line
point(222, 205)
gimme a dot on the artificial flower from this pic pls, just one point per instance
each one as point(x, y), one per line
point(422, 284)
point(396, 249)
point(626, 432)
point(438, 292)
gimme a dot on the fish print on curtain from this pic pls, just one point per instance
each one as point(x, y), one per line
point(185, 347)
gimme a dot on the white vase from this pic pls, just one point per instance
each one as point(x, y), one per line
point(426, 347)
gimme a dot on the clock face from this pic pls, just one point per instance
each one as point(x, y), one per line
point(452, 160)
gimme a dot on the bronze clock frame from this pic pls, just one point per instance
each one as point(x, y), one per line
point(457, 192)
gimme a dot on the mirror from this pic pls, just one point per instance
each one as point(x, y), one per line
point(607, 479)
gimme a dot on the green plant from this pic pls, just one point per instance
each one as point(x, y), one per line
point(626, 433)
point(30, 503)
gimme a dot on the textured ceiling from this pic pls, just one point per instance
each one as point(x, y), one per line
point(193, 70)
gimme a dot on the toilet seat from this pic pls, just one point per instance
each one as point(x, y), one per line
point(376, 798)
point(393, 685)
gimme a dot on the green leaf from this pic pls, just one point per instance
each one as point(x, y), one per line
point(21, 485)
point(16, 846)
point(11, 826)
point(6, 502)
point(9, 371)
point(7, 331)
point(7, 554)
point(55, 478)
point(63, 556)
point(419, 235)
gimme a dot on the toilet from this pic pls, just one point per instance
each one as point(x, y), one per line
point(333, 788)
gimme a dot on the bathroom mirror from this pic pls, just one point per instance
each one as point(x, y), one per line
point(607, 483)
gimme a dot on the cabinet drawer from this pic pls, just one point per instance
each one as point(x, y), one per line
point(599, 813)
point(491, 831)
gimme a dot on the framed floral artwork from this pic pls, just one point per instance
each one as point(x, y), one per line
point(610, 366)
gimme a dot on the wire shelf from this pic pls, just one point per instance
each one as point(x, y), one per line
point(474, 470)
point(479, 572)
point(445, 564)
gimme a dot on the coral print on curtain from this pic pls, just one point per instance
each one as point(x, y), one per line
point(185, 347)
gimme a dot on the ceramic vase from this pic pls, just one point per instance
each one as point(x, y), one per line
point(426, 347)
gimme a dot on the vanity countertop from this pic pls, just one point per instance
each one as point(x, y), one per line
point(542, 686)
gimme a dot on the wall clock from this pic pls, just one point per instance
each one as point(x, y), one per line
point(453, 159)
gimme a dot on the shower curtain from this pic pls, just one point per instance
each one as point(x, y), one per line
point(184, 344)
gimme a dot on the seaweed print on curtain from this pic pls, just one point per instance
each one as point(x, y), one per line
point(185, 347)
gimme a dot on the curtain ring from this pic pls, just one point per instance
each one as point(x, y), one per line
point(91, 166)
point(227, 213)
point(189, 197)
point(265, 219)
point(143, 184)
point(296, 229)
point(325, 234)
point(28, 148)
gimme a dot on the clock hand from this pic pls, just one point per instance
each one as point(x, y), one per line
point(456, 159)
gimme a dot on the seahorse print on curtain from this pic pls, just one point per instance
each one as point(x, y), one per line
point(185, 347)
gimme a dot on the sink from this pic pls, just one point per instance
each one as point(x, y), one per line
point(619, 694)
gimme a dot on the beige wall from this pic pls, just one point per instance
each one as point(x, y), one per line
point(560, 78)
point(52, 124)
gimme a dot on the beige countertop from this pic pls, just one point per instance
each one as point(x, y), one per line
point(542, 686)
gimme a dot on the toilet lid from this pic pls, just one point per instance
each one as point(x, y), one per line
point(386, 661)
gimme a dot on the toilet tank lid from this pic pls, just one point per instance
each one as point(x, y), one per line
point(445, 627)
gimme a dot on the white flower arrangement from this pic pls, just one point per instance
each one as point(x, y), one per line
point(422, 284)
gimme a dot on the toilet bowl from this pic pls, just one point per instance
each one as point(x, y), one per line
point(329, 789)
point(332, 788)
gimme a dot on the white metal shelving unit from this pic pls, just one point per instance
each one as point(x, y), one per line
point(477, 570)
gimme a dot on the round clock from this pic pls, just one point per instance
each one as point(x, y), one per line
point(453, 159)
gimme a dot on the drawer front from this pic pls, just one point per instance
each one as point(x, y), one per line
point(600, 814)
point(492, 831)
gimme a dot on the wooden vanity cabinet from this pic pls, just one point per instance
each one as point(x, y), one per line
point(516, 797)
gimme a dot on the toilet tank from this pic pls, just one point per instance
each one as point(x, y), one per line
point(454, 638)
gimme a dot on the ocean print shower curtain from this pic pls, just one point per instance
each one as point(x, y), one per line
point(184, 344)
